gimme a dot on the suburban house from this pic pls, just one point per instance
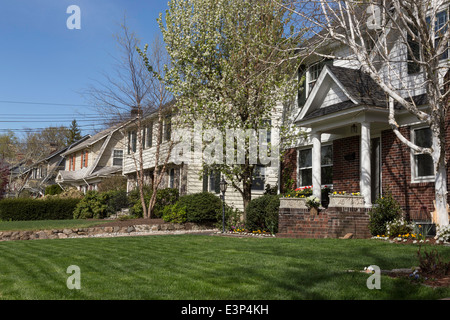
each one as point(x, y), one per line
point(96, 158)
point(43, 172)
point(184, 174)
point(350, 146)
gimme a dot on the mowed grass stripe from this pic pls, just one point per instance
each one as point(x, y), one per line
point(206, 267)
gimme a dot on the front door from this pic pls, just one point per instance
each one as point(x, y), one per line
point(375, 168)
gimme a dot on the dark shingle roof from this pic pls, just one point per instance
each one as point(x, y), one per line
point(360, 86)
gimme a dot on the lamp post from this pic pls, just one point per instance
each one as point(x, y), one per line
point(223, 189)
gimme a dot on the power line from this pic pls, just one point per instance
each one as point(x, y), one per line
point(47, 103)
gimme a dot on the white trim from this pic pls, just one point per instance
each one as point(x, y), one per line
point(414, 177)
point(306, 147)
point(312, 95)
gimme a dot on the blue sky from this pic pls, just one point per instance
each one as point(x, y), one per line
point(47, 65)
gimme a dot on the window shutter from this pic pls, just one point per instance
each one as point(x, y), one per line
point(205, 182)
point(216, 182)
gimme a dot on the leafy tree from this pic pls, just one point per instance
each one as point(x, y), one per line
point(230, 69)
point(4, 175)
point(8, 146)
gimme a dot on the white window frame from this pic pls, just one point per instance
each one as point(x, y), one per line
point(264, 177)
point(113, 157)
point(414, 170)
point(330, 185)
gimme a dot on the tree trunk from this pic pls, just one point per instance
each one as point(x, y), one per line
point(440, 185)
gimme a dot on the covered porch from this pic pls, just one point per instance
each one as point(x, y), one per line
point(356, 138)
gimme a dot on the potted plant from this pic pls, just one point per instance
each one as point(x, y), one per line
point(313, 204)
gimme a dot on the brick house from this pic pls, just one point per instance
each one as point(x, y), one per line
point(350, 145)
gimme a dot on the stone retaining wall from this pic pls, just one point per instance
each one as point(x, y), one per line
point(100, 231)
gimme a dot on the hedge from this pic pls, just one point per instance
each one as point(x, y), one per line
point(37, 209)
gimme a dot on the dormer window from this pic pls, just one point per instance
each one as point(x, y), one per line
point(314, 72)
point(307, 77)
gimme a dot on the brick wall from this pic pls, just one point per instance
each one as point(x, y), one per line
point(346, 164)
point(329, 223)
point(416, 199)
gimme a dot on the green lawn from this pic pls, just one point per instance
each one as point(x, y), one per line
point(47, 224)
point(206, 267)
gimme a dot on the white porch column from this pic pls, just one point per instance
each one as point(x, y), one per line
point(365, 165)
point(316, 165)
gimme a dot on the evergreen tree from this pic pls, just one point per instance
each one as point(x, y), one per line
point(73, 133)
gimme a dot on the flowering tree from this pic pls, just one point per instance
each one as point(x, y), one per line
point(4, 175)
point(229, 69)
point(403, 46)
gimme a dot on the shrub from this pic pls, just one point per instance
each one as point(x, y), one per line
point(93, 205)
point(386, 209)
point(116, 201)
point(33, 209)
point(232, 217)
point(262, 214)
point(73, 193)
point(201, 207)
point(53, 189)
point(443, 233)
point(431, 263)
point(100, 205)
point(398, 227)
point(164, 197)
point(174, 213)
point(113, 183)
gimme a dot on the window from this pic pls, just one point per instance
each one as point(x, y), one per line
point(267, 124)
point(149, 138)
point(43, 171)
point(314, 72)
point(117, 157)
point(214, 182)
point(258, 178)
point(423, 168)
point(132, 139)
point(211, 182)
point(413, 52)
point(72, 163)
point(167, 128)
point(171, 178)
point(84, 159)
point(305, 166)
point(440, 28)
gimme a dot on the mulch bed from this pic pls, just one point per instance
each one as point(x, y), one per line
point(427, 280)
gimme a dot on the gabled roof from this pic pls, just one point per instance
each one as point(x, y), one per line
point(97, 137)
point(357, 86)
point(58, 153)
